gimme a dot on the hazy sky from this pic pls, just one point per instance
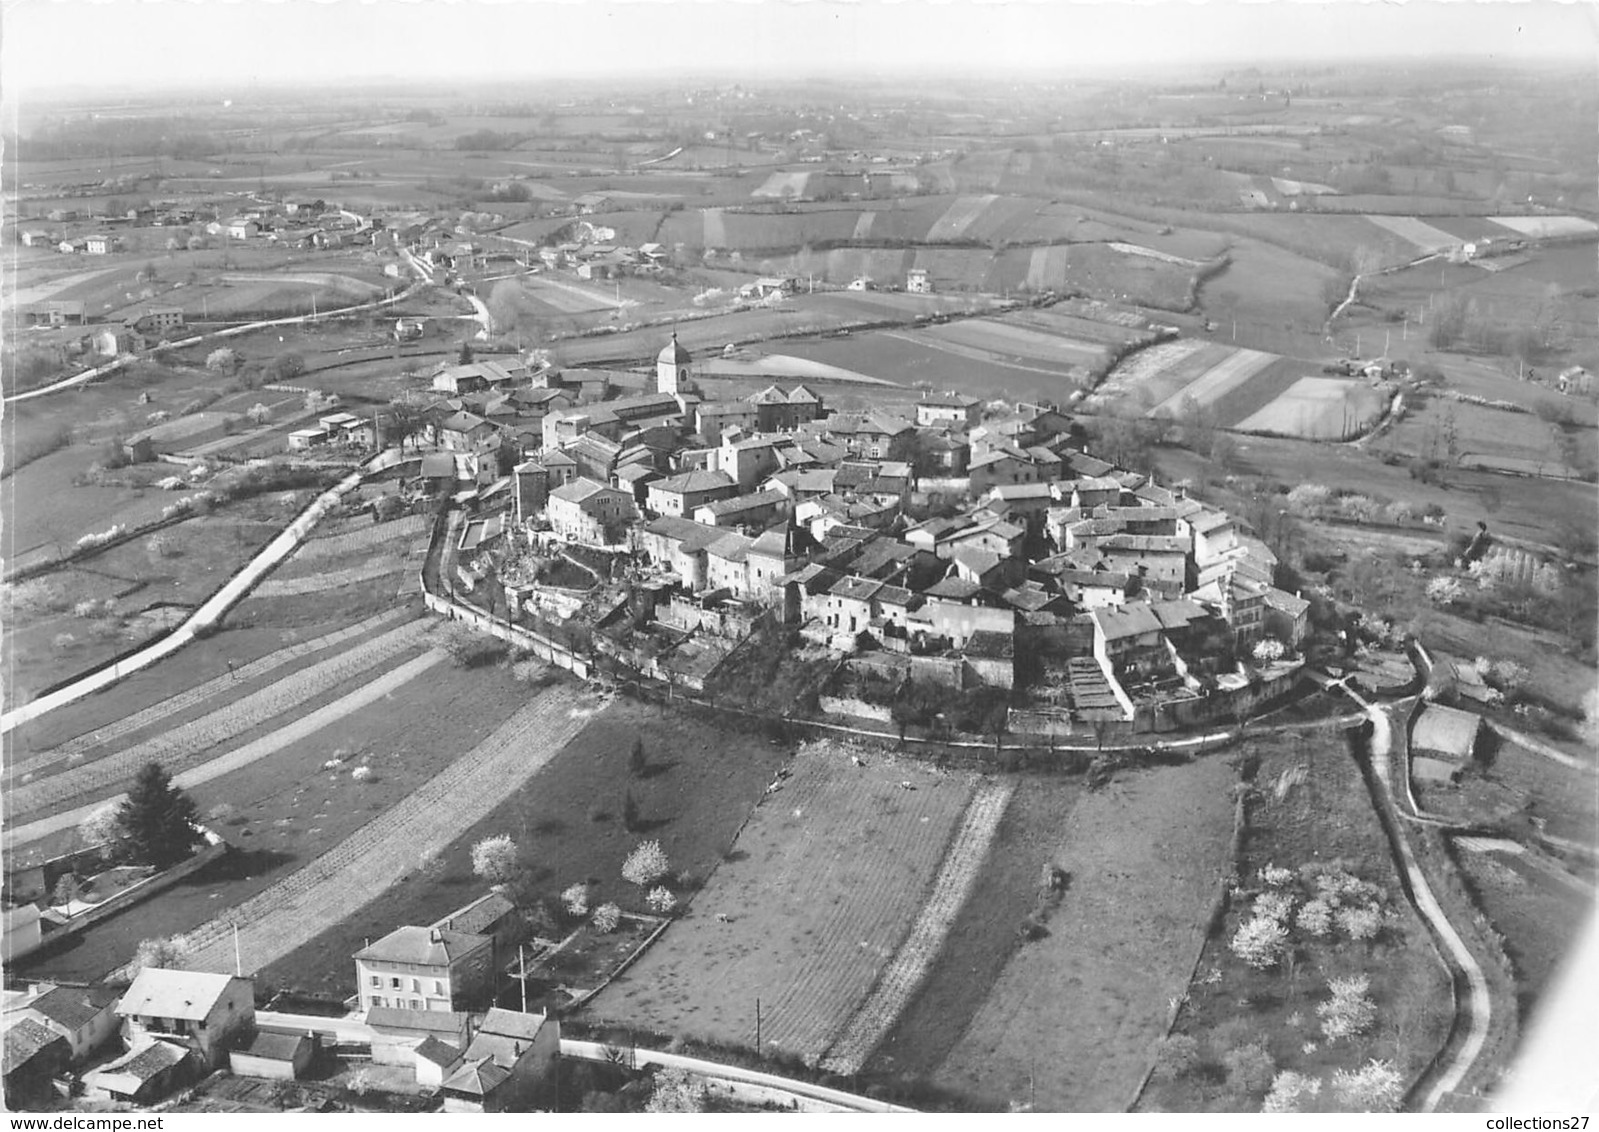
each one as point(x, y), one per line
point(51, 43)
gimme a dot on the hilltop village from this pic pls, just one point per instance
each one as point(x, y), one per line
point(1113, 601)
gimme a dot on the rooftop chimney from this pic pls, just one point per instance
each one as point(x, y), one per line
point(435, 936)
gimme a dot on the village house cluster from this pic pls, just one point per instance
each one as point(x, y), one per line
point(1128, 602)
point(424, 1011)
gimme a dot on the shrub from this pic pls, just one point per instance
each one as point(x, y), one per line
point(222, 360)
point(161, 546)
point(1290, 1091)
point(1360, 922)
point(495, 859)
point(1267, 650)
point(258, 413)
point(607, 918)
point(1260, 942)
point(1177, 1057)
point(1315, 918)
point(471, 649)
point(661, 901)
point(1250, 1068)
point(159, 952)
point(1374, 1087)
point(102, 829)
point(676, 1091)
point(1309, 498)
point(1444, 590)
point(646, 864)
point(576, 899)
point(1274, 876)
point(1274, 906)
point(1349, 1011)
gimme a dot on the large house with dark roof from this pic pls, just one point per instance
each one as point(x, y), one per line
point(416, 968)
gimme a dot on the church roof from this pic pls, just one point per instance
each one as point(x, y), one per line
point(674, 353)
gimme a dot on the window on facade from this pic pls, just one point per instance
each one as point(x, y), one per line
point(416, 1004)
point(416, 985)
point(395, 983)
point(377, 982)
point(438, 986)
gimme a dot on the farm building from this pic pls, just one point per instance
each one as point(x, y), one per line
point(34, 1056)
point(917, 281)
point(101, 244)
point(85, 1016)
point(144, 1074)
point(56, 313)
point(156, 318)
point(302, 439)
point(198, 1010)
point(509, 1064)
point(1447, 732)
point(281, 1057)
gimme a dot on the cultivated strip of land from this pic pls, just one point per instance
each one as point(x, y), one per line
point(298, 908)
point(331, 580)
point(911, 963)
point(173, 748)
point(269, 744)
point(361, 538)
point(199, 693)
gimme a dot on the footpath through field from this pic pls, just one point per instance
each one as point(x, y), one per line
point(348, 877)
point(1477, 1005)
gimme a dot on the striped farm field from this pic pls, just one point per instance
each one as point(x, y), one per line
point(1424, 236)
point(1263, 387)
point(1151, 253)
point(226, 686)
point(1318, 408)
point(1186, 368)
point(911, 964)
point(358, 869)
point(182, 746)
point(1072, 1019)
point(363, 537)
point(961, 215)
point(1071, 326)
point(331, 579)
point(824, 886)
point(294, 732)
point(1009, 341)
point(1547, 227)
point(283, 812)
point(1216, 382)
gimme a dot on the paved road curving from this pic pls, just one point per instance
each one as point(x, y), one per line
point(1476, 1008)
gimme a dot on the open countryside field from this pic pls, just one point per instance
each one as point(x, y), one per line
point(290, 816)
point(1319, 408)
point(1311, 811)
point(906, 357)
point(811, 904)
point(138, 593)
point(1071, 1022)
point(1493, 439)
point(697, 788)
